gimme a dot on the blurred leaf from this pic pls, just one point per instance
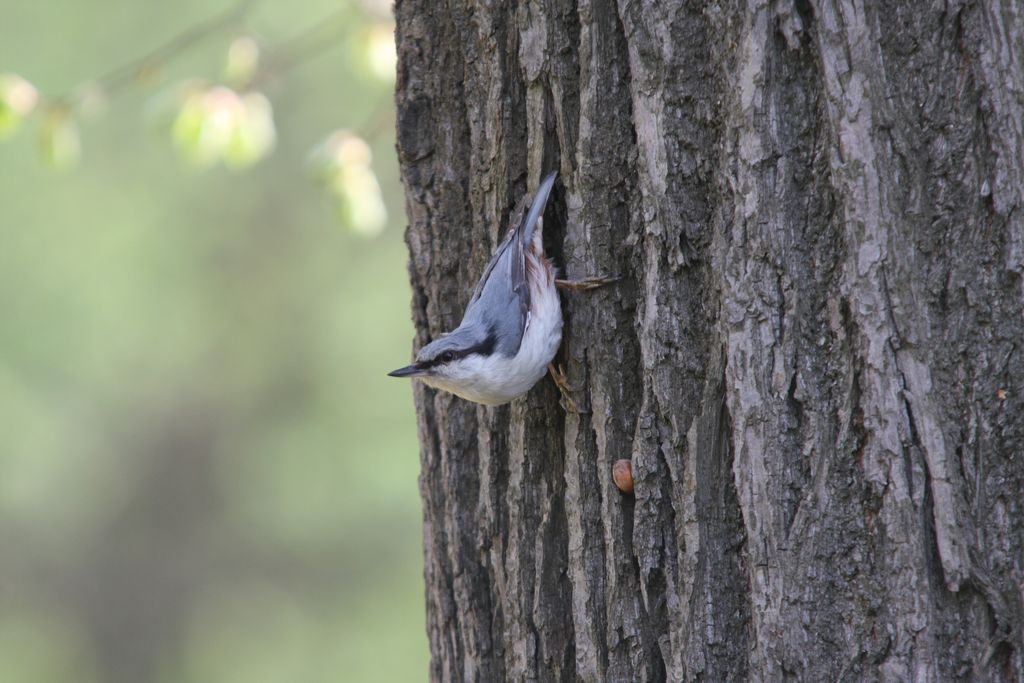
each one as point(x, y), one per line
point(342, 164)
point(254, 133)
point(221, 111)
point(361, 204)
point(381, 52)
point(18, 98)
point(242, 62)
point(217, 124)
point(59, 142)
point(187, 129)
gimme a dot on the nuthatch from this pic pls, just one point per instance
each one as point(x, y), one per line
point(512, 326)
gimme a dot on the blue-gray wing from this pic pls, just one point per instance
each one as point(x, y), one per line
point(501, 300)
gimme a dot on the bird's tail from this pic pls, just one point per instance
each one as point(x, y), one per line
point(540, 200)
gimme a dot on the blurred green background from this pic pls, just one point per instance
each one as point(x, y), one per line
point(205, 475)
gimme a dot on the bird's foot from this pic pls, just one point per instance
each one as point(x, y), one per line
point(562, 382)
point(586, 283)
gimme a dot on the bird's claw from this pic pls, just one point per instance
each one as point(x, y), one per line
point(562, 382)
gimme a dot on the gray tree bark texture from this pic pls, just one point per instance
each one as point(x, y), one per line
point(813, 358)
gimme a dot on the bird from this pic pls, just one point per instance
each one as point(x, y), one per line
point(512, 326)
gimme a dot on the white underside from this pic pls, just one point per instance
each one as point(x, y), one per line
point(497, 379)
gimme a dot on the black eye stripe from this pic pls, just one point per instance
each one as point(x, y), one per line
point(486, 347)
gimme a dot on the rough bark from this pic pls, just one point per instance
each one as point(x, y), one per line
point(813, 356)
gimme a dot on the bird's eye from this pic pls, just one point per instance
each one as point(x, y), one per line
point(446, 357)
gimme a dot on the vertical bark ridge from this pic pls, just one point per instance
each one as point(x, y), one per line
point(600, 350)
point(711, 637)
point(673, 87)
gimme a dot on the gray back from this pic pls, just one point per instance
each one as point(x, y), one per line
point(501, 301)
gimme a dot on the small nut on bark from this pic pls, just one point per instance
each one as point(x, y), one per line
point(622, 475)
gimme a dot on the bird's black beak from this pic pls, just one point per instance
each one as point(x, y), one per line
point(407, 371)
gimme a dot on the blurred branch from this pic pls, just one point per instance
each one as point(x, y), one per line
point(127, 74)
point(309, 44)
point(285, 56)
point(225, 120)
point(305, 45)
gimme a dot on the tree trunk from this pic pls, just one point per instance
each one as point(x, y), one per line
point(813, 356)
